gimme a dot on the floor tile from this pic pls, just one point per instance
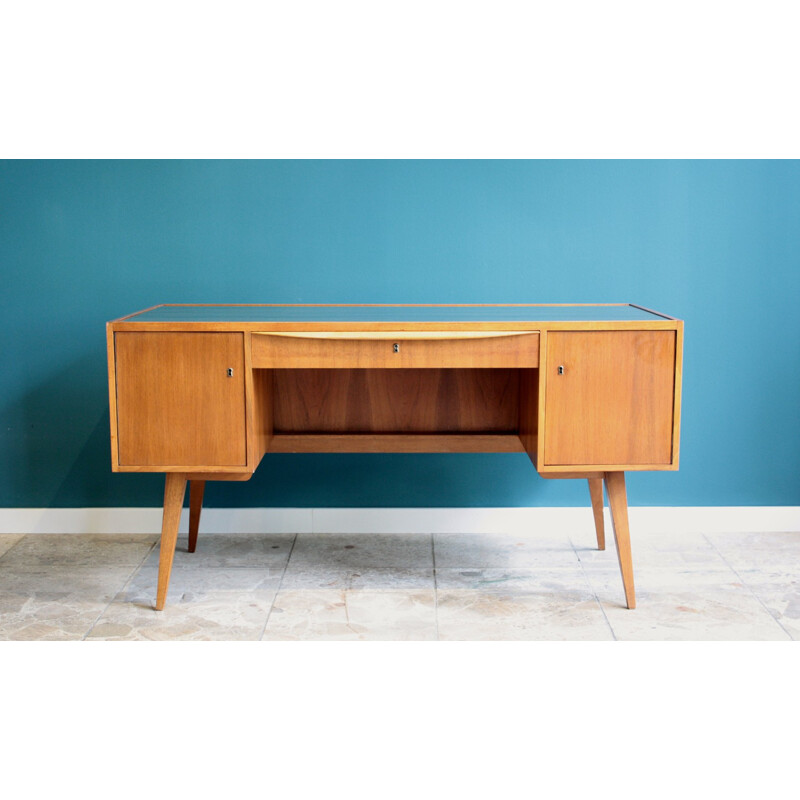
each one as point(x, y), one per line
point(755, 550)
point(497, 580)
point(456, 550)
point(353, 615)
point(55, 602)
point(700, 604)
point(203, 604)
point(231, 550)
point(553, 613)
point(90, 549)
point(673, 550)
point(8, 540)
point(334, 576)
point(779, 591)
point(357, 550)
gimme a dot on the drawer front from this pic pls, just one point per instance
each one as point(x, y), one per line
point(403, 349)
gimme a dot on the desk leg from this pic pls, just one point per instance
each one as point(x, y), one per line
point(196, 489)
point(596, 493)
point(618, 501)
point(174, 491)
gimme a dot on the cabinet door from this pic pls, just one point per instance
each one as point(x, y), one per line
point(609, 398)
point(176, 403)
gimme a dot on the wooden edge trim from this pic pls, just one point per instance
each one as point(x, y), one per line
point(560, 469)
point(557, 475)
point(249, 403)
point(112, 395)
point(530, 326)
point(197, 470)
point(219, 476)
point(677, 389)
point(389, 335)
point(541, 427)
point(380, 305)
point(395, 443)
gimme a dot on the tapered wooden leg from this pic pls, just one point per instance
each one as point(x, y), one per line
point(618, 501)
point(596, 493)
point(196, 489)
point(174, 491)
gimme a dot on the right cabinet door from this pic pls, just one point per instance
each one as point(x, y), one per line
point(609, 398)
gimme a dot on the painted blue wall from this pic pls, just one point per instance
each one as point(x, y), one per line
point(716, 243)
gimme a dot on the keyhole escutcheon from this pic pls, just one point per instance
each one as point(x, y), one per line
point(560, 369)
point(396, 347)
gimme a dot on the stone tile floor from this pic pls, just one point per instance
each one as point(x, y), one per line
point(545, 586)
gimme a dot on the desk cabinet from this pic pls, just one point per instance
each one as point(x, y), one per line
point(205, 392)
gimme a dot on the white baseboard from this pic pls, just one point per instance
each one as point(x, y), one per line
point(644, 520)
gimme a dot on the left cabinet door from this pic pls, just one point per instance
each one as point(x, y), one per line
point(180, 399)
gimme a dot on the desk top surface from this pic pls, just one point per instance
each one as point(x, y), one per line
point(617, 312)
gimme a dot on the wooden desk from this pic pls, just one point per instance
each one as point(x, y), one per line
point(204, 392)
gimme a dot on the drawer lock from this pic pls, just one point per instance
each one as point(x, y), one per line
point(396, 347)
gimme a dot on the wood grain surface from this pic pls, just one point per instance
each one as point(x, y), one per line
point(398, 351)
point(613, 404)
point(396, 401)
point(176, 404)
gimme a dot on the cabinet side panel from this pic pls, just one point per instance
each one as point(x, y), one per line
point(263, 395)
point(112, 395)
point(676, 422)
point(176, 403)
point(610, 397)
point(529, 411)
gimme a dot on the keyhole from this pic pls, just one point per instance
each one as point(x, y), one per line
point(230, 372)
point(561, 369)
point(396, 347)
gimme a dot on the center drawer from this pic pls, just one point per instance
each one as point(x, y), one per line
point(387, 349)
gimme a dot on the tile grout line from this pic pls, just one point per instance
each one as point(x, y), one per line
point(435, 589)
point(749, 588)
point(21, 539)
point(277, 591)
point(591, 587)
point(122, 589)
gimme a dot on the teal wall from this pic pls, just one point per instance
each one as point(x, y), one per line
point(716, 243)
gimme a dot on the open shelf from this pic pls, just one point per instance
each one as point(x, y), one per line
point(433, 410)
point(395, 443)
